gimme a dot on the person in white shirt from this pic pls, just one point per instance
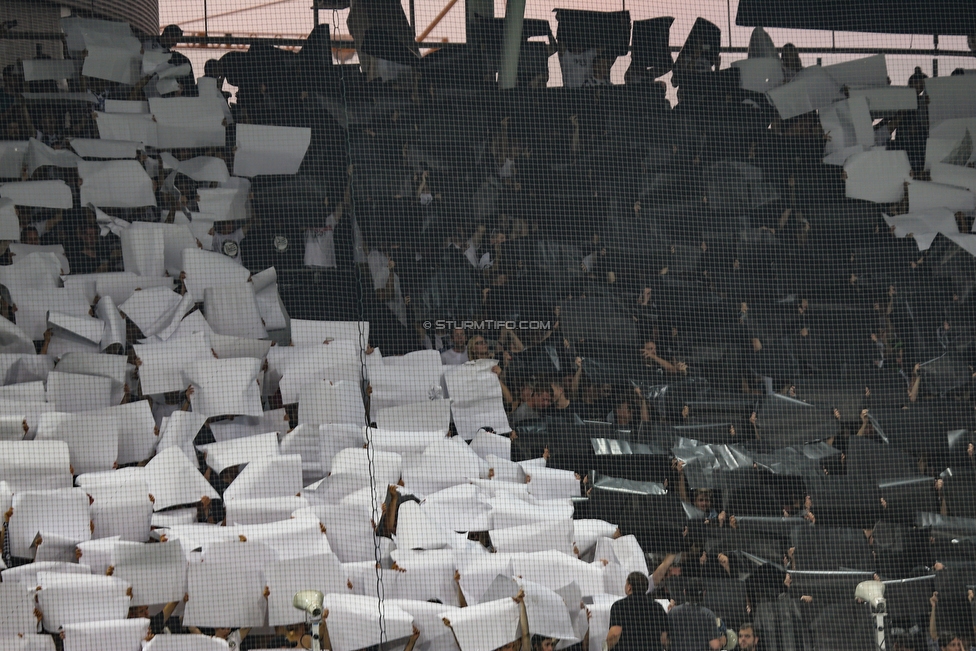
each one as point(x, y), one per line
point(458, 353)
point(227, 239)
point(320, 246)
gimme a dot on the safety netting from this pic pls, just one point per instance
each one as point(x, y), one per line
point(659, 331)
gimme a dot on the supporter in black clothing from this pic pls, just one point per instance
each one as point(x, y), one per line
point(637, 622)
point(87, 253)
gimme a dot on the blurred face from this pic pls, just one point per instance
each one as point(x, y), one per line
point(458, 339)
point(703, 501)
point(717, 643)
point(623, 414)
point(479, 347)
point(540, 400)
point(955, 645)
point(547, 645)
point(747, 639)
point(511, 646)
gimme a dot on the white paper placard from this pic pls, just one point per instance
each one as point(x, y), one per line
point(179, 430)
point(877, 176)
point(810, 90)
point(153, 309)
point(263, 510)
point(32, 314)
point(79, 598)
point(40, 194)
point(186, 643)
point(233, 310)
point(200, 168)
point(35, 465)
point(923, 196)
point(137, 436)
point(444, 463)
point(924, 226)
point(354, 621)
point(62, 512)
point(29, 367)
point(846, 124)
point(950, 97)
point(76, 28)
point(270, 150)
point(162, 365)
point(487, 626)
point(888, 98)
point(428, 618)
point(19, 251)
point(225, 387)
point(187, 122)
point(26, 391)
point(143, 250)
point(269, 302)
point(30, 410)
point(415, 530)
point(277, 476)
point(425, 416)
point(759, 75)
point(324, 403)
point(221, 456)
point(73, 392)
point(551, 484)
point(98, 148)
point(210, 269)
point(174, 480)
point(285, 578)
point(12, 156)
point(134, 127)
point(125, 106)
point(224, 203)
point(586, 533)
point(108, 314)
point(112, 57)
point(869, 72)
point(554, 570)
point(300, 367)
point(157, 572)
point(39, 155)
point(86, 329)
point(305, 332)
point(409, 381)
point(957, 175)
point(349, 531)
point(16, 609)
point(92, 437)
point(115, 184)
point(225, 595)
point(45, 69)
point(551, 535)
point(240, 427)
point(476, 398)
point(385, 465)
point(118, 635)
point(486, 444)
point(459, 508)
point(406, 444)
point(14, 340)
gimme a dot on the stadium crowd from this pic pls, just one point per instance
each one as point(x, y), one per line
point(490, 369)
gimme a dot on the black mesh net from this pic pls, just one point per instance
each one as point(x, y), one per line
point(470, 327)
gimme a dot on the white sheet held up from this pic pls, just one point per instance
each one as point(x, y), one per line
point(270, 150)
